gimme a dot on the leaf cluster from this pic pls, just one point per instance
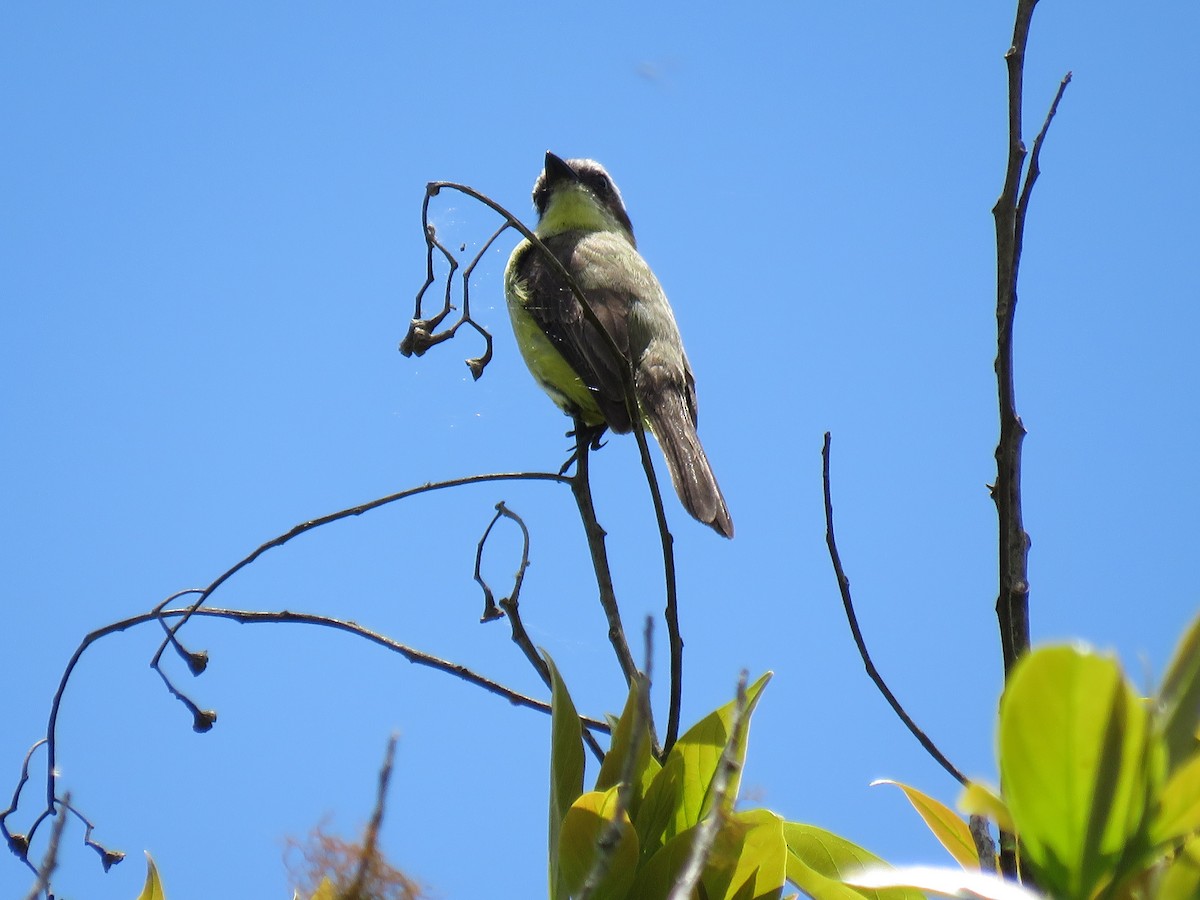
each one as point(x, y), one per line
point(1100, 785)
point(653, 831)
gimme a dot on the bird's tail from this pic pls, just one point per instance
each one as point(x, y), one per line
point(673, 426)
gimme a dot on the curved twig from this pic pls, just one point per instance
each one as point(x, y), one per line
point(50, 859)
point(253, 617)
point(848, 604)
point(279, 541)
point(510, 606)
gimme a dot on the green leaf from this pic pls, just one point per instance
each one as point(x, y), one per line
point(1076, 766)
point(153, 889)
point(1179, 698)
point(951, 831)
point(631, 731)
point(748, 861)
point(656, 876)
point(658, 809)
point(748, 858)
point(1178, 810)
point(592, 819)
point(566, 767)
point(818, 860)
point(701, 747)
point(679, 794)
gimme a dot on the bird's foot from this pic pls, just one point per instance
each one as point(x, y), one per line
point(586, 437)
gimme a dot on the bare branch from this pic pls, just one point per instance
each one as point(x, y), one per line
point(200, 716)
point(510, 606)
point(1031, 176)
point(50, 859)
point(848, 604)
point(1012, 602)
point(491, 612)
point(370, 845)
point(19, 843)
point(245, 617)
point(1012, 605)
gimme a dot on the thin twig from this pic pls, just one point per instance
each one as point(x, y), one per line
point(421, 334)
point(205, 593)
point(1031, 176)
point(252, 617)
point(370, 845)
point(50, 859)
point(491, 611)
point(848, 604)
point(477, 363)
point(108, 858)
point(581, 489)
point(19, 843)
point(510, 606)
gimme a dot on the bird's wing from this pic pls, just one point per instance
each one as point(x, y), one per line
point(589, 257)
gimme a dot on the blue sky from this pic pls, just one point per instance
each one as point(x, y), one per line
point(209, 251)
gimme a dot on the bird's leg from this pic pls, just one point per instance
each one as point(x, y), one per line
point(586, 437)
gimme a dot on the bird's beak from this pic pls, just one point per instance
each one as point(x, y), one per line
point(558, 170)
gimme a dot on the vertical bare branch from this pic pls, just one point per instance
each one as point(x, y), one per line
point(1012, 604)
point(581, 489)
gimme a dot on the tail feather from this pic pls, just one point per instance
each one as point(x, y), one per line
point(691, 473)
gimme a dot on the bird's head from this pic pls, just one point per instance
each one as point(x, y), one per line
point(578, 195)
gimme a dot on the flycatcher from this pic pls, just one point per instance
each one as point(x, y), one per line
point(583, 222)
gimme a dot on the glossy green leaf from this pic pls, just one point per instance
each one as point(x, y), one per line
point(659, 806)
point(748, 859)
point(819, 860)
point(951, 831)
point(566, 768)
point(977, 799)
point(1178, 812)
point(659, 869)
point(701, 747)
point(1180, 699)
point(593, 819)
point(630, 731)
point(747, 862)
point(153, 889)
point(1074, 745)
point(818, 886)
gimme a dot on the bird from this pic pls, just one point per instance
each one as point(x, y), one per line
point(583, 222)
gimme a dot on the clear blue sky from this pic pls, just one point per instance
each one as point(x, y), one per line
point(209, 247)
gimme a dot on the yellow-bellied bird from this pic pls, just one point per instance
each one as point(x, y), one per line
point(583, 222)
